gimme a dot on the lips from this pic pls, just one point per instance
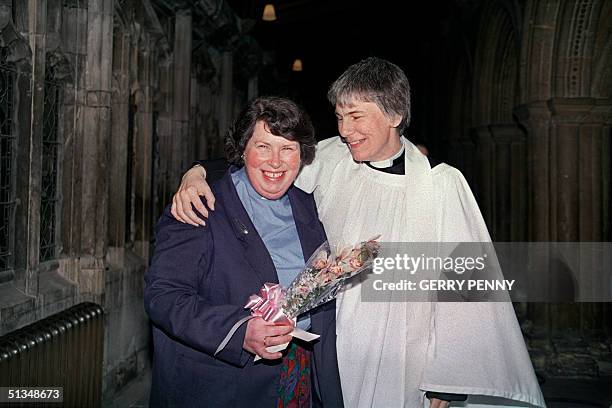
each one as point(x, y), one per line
point(355, 143)
point(273, 175)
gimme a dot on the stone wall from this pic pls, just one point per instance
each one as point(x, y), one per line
point(142, 88)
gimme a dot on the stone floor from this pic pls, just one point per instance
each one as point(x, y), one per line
point(559, 393)
point(135, 395)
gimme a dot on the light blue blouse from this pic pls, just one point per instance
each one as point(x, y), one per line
point(273, 220)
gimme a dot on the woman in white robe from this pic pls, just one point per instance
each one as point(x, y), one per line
point(391, 353)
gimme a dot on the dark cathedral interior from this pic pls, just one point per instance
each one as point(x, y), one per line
point(104, 104)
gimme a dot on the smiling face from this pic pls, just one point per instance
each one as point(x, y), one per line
point(370, 134)
point(271, 162)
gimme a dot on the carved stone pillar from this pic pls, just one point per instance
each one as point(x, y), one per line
point(509, 187)
point(578, 130)
point(164, 185)
point(569, 152)
point(181, 93)
point(535, 117)
point(89, 193)
point(37, 17)
point(19, 53)
point(143, 149)
point(96, 126)
point(119, 138)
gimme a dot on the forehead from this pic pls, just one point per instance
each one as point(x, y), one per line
point(261, 133)
point(356, 105)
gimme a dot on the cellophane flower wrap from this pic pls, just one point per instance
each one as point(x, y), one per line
point(324, 275)
point(318, 283)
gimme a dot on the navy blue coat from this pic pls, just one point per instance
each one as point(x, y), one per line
point(196, 287)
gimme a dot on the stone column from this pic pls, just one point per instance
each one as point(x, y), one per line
point(119, 138)
point(181, 93)
point(92, 133)
point(508, 186)
point(535, 117)
point(143, 150)
point(581, 131)
point(569, 155)
point(37, 17)
point(578, 132)
point(74, 35)
point(165, 186)
point(20, 53)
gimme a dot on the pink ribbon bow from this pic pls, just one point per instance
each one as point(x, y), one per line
point(267, 304)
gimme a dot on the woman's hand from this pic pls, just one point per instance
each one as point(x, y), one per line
point(193, 185)
point(261, 334)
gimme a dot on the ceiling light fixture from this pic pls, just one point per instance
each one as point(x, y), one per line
point(297, 65)
point(269, 14)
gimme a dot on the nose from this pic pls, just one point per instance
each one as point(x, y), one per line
point(345, 128)
point(275, 160)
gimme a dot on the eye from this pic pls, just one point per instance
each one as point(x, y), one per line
point(263, 146)
point(338, 118)
point(289, 148)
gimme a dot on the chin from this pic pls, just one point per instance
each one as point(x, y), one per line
point(358, 157)
point(274, 195)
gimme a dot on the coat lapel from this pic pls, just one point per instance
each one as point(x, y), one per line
point(255, 251)
point(306, 222)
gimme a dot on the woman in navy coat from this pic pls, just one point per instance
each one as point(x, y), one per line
point(263, 230)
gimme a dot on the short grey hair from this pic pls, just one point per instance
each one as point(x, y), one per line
point(374, 80)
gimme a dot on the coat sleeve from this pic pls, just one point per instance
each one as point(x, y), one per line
point(175, 288)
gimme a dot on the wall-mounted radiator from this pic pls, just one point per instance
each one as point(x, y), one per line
point(63, 350)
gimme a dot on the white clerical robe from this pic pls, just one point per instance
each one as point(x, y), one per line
point(391, 353)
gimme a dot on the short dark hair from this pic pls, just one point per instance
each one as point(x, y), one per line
point(375, 80)
point(282, 117)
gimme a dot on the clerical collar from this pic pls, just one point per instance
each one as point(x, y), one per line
point(383, 164)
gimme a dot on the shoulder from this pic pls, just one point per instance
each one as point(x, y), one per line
point(332, 147)
point(301, 194)
point(445, 172)
point(168, 226)
point(303, 197)
point(330, 154)
point(449, 182)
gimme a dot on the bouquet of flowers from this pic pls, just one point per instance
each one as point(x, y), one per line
point(318, 283)
point(324, 275)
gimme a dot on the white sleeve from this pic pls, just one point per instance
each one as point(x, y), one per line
point(327, 156)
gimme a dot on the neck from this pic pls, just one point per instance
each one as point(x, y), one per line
point(388, 162)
